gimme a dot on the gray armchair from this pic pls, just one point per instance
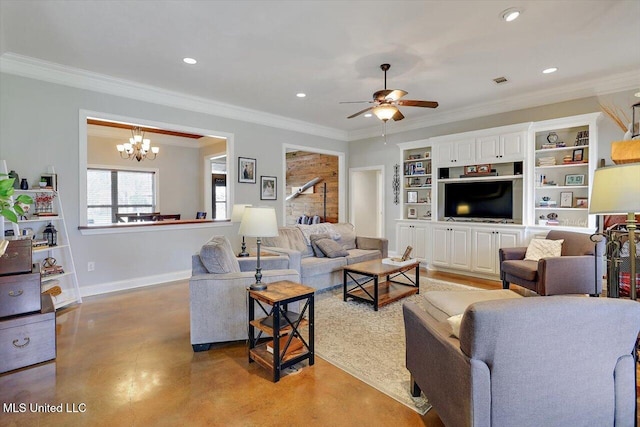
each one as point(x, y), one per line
point(554, 362)
point(218, 300)
point(574, 272)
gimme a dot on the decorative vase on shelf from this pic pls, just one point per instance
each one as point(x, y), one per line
point(16, 179)
point(628, 133)
point(24, 185)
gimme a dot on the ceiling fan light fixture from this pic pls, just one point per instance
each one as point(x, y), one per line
point(510, 14)
point(385, 111)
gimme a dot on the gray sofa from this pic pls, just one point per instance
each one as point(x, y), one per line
point(324, 272)
point(538, 361)
point(218, 299)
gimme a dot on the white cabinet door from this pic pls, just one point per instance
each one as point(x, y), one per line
point(416, 236)
point(460, 248)
point(456, 153)
point(483, 248)
point(444, 154)
point(512, 147)
point(485, 243)
point(465, 152)
point(440, 246)
point(488, 149)
point(420, 242)
point(505, 239)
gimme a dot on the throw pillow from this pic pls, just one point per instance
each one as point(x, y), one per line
point(331, 248)
point(455, 322)
point(217, 256)
point(543, 248)
point(314, 238)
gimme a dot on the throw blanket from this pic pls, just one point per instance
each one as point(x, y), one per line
point(325, 227)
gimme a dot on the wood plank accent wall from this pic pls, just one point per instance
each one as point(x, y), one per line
point(302, 167)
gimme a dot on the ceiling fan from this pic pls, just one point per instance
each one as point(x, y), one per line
point(386, 102)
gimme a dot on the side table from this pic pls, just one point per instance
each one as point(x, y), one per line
point(287, 345)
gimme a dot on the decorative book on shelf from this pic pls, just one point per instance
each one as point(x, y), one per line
point(295, 344)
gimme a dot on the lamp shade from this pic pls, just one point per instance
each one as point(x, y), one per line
point(259, 222)
point(385, 111)
point(237, 212)
point(616, 190)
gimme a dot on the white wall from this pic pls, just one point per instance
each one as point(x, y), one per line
point(39, 126)
point(374, 151)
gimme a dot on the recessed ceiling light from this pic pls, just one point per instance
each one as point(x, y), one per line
point(301, 95)
point(637, 94)
point(368, 115)
point(510, 14)
point(550, 70)
point(189, 61)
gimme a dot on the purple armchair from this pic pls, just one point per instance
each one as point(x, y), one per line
point(579, 269)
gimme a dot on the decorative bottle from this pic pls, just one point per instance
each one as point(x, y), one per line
point(24, 185)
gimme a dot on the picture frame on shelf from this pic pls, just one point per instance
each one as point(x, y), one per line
point(470, 169)
point(484, 168)
point(246, 170)
point(419, 165)
point(427, 154)
point(412, 197)
point(268, 188)
point(566, 199)
point(578, 155)
point(50, 180)
point(412, 213)
point(574, 179)
point(428, 181)
point(582, 202)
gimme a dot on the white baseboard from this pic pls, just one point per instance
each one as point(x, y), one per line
point(139, 282)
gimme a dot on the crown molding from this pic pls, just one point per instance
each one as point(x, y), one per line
point(25, 66)
point(594, 87)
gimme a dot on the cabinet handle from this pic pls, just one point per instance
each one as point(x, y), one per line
point(15, 294)
point(27, 340)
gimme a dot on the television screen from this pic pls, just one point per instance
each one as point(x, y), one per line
point(480, 199)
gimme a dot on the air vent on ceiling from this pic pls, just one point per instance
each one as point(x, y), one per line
point(500, 80)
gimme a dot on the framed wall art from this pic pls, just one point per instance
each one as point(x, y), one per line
point(268, 188)
point(412, 197)
point(246, 170)
point(574, 180)
point(412, 213)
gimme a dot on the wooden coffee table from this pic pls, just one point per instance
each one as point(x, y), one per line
point(368, 286)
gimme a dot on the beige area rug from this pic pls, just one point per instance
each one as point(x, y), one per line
point(368, 344)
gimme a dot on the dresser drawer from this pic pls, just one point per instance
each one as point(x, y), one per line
point(29, 339)
point(19, 294)
point(17, 258)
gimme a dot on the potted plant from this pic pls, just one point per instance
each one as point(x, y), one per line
point(8, 209)
point(43, 182)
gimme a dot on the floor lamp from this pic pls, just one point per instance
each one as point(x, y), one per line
point(236, 216)
point(615, 191)
point(259, 223)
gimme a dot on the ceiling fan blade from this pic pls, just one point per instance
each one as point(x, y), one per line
point(389, 94)
point(398, 116)
point(414, 103)
point(360, 112)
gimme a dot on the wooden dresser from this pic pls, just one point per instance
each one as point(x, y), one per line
point(27, 317)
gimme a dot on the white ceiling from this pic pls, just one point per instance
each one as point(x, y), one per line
point(259, 54)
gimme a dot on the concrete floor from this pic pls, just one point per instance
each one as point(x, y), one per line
point(125, 359)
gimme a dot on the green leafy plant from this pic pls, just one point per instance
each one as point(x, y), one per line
point(7, 209)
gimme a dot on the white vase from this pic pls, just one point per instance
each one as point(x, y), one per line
point(628, 133)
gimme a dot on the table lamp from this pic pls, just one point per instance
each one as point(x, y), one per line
point(615, 191)
point(236, 216)
point(259, 223)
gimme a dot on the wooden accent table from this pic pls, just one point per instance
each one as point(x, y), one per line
point(282, 325)
point(370, 289)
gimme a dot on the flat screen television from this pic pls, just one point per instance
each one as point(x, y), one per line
point(479, 199)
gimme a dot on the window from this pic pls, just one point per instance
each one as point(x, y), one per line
point(112, 193)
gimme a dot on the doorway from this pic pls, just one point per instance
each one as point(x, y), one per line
point(366, 200)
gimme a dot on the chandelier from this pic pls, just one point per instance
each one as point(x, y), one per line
point(138, 147)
